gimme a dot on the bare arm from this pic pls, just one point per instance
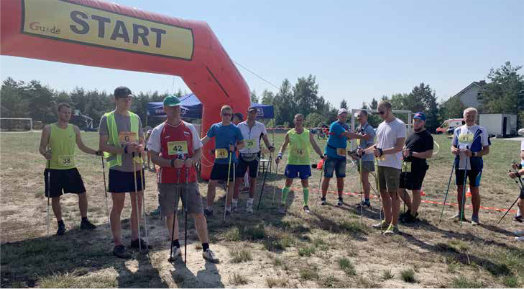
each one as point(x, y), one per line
point(399, 144)
point(81, 144)
point(423, 155)
point(104, 146)
point(205, 140)
point(266, 141)
point(44, 142)
point(284, 145)
point(315, 146)
point(240, 144)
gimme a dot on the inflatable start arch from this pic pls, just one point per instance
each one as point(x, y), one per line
point(102, 34)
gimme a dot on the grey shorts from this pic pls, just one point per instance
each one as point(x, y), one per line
point(388, 178)
point(367, 166)
point(168, 195)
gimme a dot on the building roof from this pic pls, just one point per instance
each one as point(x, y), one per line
point(479, 84)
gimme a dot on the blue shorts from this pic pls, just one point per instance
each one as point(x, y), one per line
point(473, 176)
point(295, 171)
point(337, 165)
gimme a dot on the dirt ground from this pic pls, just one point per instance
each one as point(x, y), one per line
point(331, 247)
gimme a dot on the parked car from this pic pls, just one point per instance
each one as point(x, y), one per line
point(449, 125)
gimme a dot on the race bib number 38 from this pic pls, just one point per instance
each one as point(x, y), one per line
point(176, 147)
point(66, 161)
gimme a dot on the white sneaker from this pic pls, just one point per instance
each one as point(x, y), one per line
point(234, 204)
point(210, 256)
point(177, 253)
point(249, 208)
point(521, 238)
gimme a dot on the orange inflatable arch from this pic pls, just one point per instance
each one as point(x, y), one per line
point(102, 34)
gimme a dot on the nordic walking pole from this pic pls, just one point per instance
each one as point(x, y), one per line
point(227, 183)
point(105, 190)
point(463, 205)
point(143, 182)
point(274, 186)
point(48, 193)
point(136, 202)
point(447, 191)
point(263, 182)
point(361, 189)
point(521, 187)
point(319, 182)
point(177, 191)
point(185, 215)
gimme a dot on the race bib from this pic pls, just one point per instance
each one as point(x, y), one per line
point(465, 138)
point(221, 154)
point(66, 161)
point(177, 147)
point(126, 137)
point(300, 152)
point(406, 167)
point(250, 143)
point(341, 152)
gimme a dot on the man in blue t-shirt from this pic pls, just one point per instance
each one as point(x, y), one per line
point(336, 155)
point(470, 143)
point(228, 139)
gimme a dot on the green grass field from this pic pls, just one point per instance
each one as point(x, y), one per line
point(332, 247)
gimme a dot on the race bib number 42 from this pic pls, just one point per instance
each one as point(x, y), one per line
point(177, 147)
point(221, 154)
point(126, 137)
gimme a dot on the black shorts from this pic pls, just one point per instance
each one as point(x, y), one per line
point(123, 182)
point(473, 176)
point(412, 180)
point(219, 172)
point(63, 182)
point(243, 165)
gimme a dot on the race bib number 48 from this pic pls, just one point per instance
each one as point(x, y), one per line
point(221, 154)
point(177, 147)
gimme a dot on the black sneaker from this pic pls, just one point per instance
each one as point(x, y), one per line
point(121, 252)
point(208, 212)
point(404, 215)
point(323, 201)
point(306, 209)
point(410, 218)
point(135, 244)
point(517, 219)
point(61, 229)
point(86, 225)
point(340, 202)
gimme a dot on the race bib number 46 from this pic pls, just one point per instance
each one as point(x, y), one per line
point(177, 147)
point(221, 154)
point(126, 137)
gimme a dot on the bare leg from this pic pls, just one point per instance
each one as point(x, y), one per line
point(252, 185)
point(135, 215)
point(325, 185)
point(404, 196)
point(415, 204)
point(365, 184)
point(57, 209)
point(211, 191)
point(116, 211)
point(475, 199)
point(395, 207)
point(340, 186)
point(201, 227)
point(237, 188)
point(82, 204)
point(386, 204)
point(169, 225)
point(460, 191)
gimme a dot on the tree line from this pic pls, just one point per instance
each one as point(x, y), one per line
point(504, 93)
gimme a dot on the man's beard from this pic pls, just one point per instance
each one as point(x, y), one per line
point(419, 129)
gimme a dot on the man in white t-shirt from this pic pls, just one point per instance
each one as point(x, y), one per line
point(470, 143)
point(390, 137)
point(252, 131)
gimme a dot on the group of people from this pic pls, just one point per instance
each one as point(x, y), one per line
point(175, 147)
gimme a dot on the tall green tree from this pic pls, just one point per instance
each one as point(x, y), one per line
point(503, 91)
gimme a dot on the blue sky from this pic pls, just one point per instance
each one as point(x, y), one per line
point(356, 49)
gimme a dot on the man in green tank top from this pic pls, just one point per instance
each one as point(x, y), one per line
point(298, 164)
point(57, 145)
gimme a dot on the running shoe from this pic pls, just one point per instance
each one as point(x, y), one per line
point(519, 233)
point(135, 244)
point(381, 225)
point(210, 256)
point(249, 208)
point(456, 218)
point(521, 238)
point(86, 225)
point(340, 202)
point(323, 201)
point(306, 209)
point(156, 212)
point(517, 219)
point(175, 254)
point(392, 230)
point(364, 204)
point(121, 252)
point(61, 229)
point(475, 220)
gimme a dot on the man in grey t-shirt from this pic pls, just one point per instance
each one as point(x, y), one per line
point(122, 141)
point(366, 136)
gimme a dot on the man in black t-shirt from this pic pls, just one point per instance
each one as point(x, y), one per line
point(418, 148)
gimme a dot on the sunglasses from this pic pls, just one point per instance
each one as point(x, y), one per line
point(381, 112)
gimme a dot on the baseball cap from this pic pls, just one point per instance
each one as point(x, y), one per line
point(171, 100)
point(251, 108)
point(122, 91)
point(342, 110)
point(420, 115)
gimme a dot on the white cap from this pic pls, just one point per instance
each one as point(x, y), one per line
point(342, 110)
point(521, 132)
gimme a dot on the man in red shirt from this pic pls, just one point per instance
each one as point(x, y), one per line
point(175, 146)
